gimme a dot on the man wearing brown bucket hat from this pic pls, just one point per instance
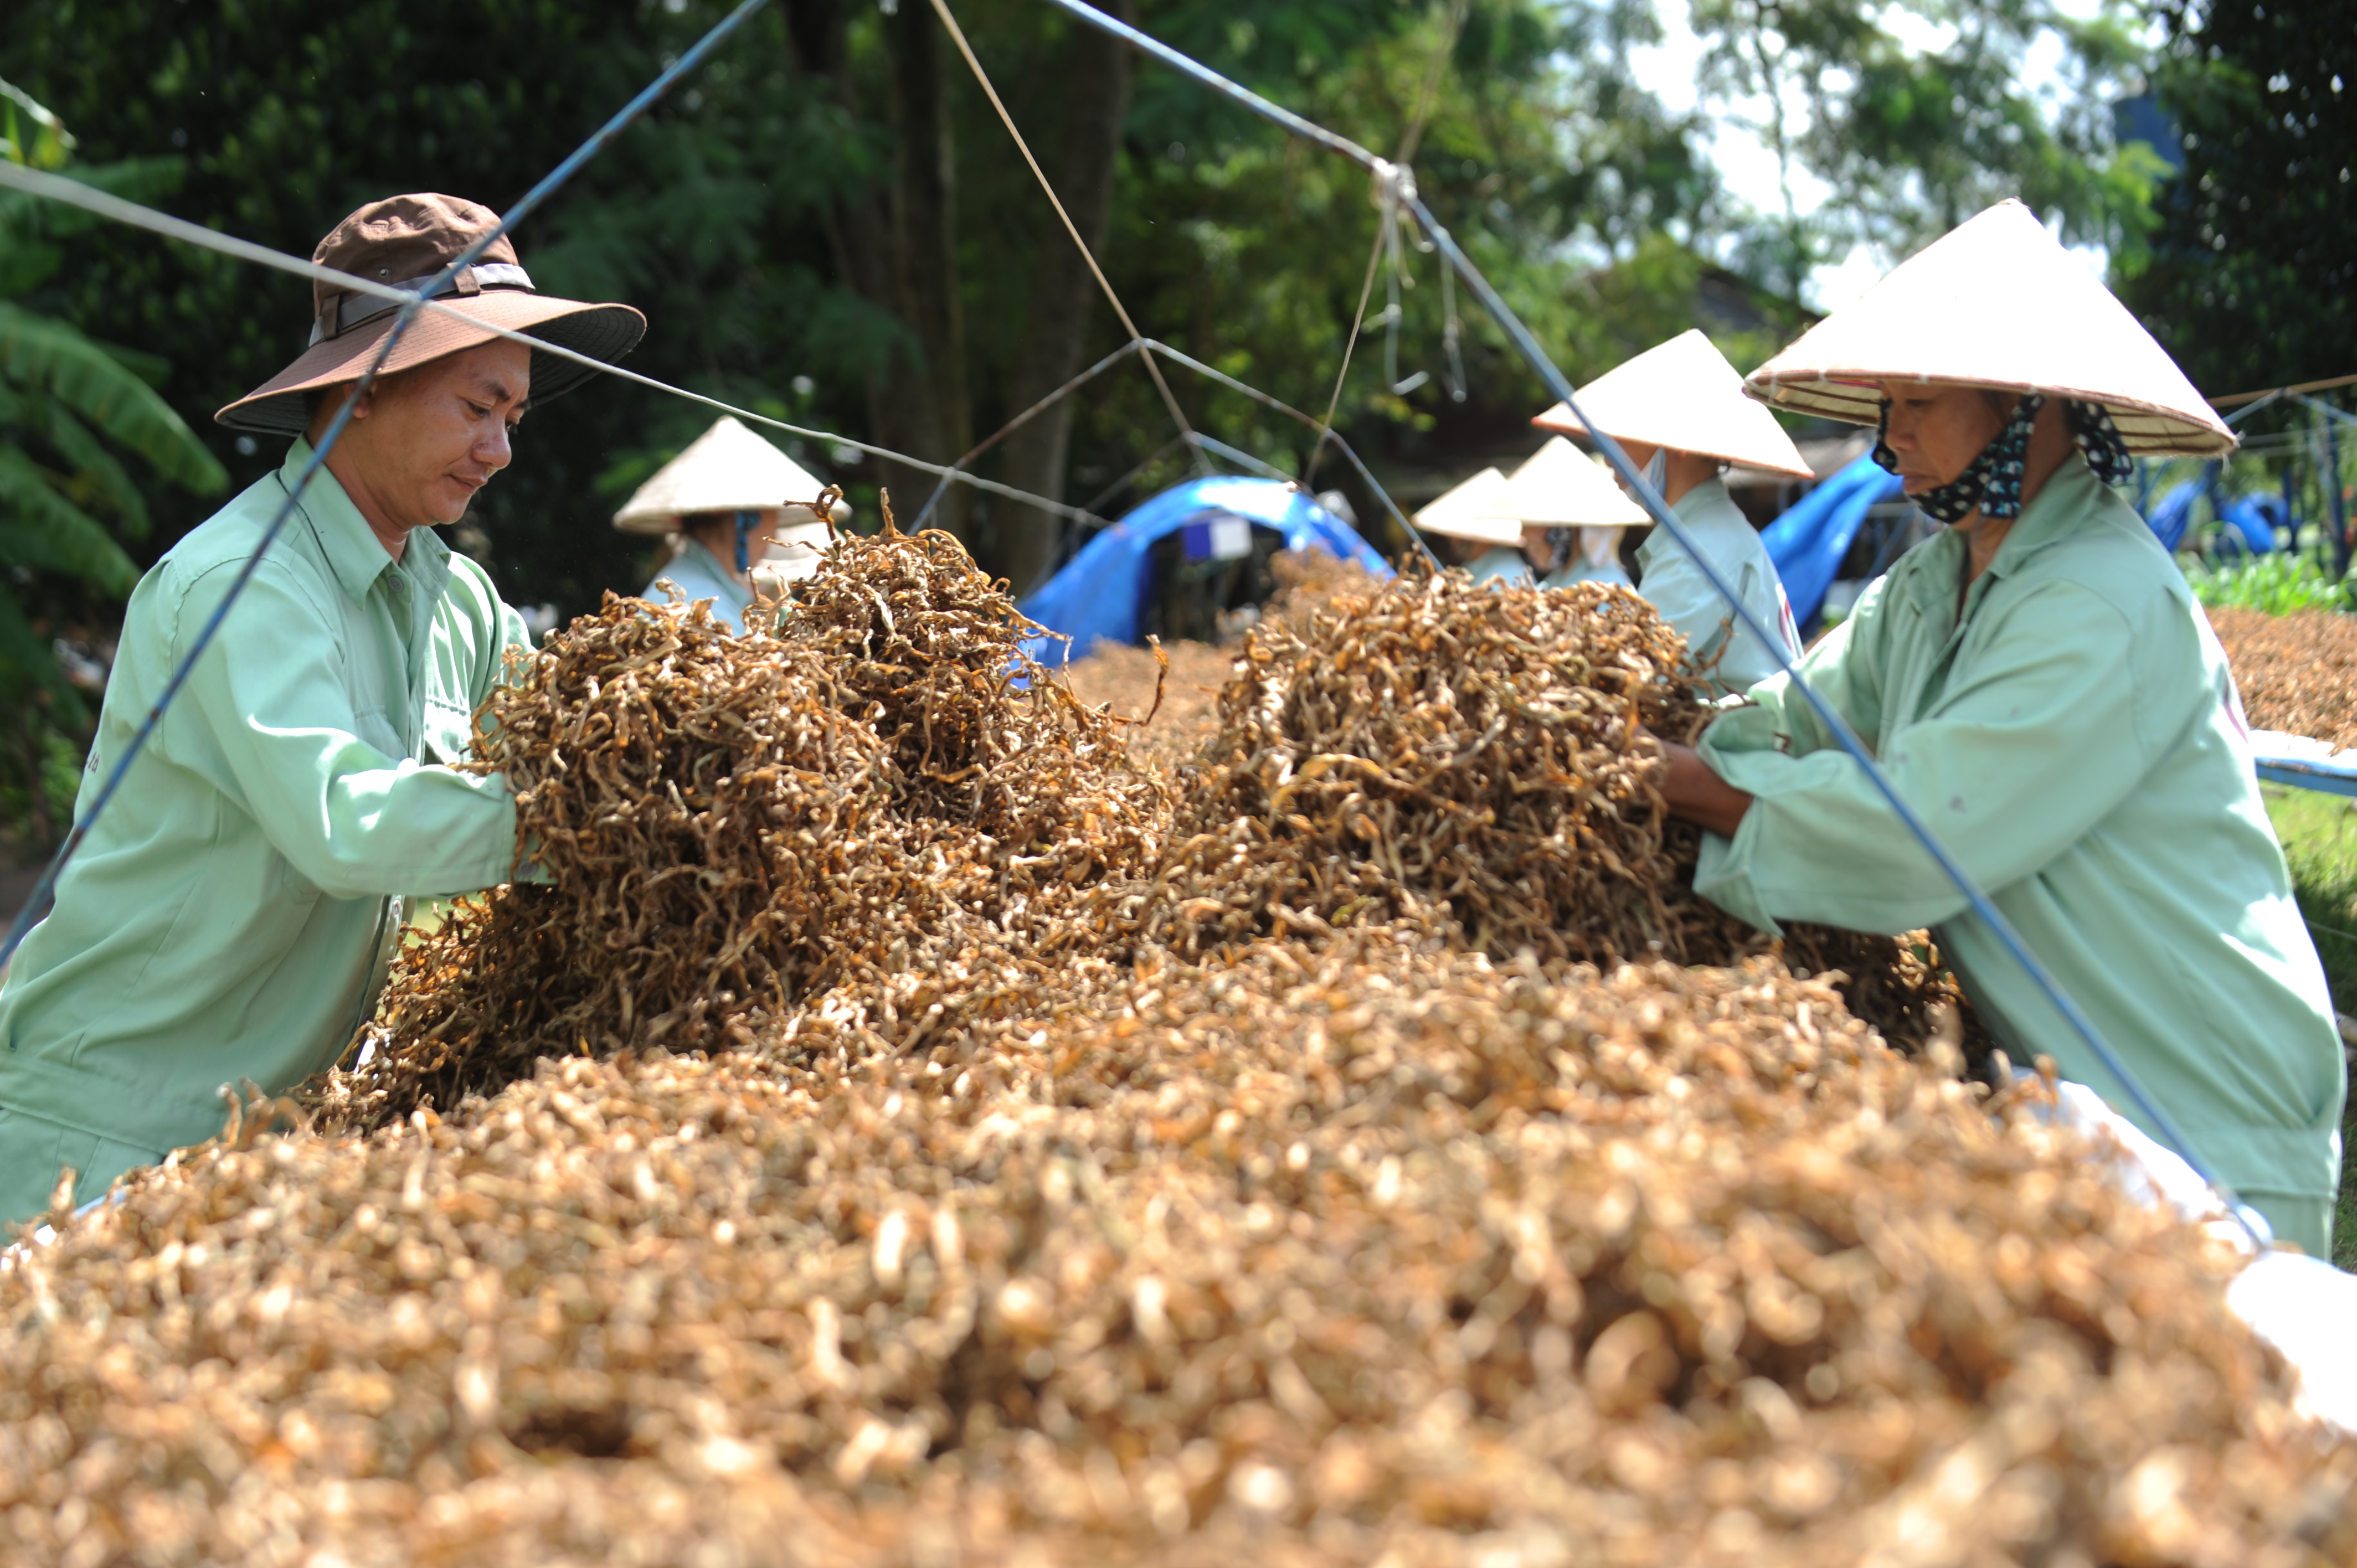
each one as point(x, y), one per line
point(231, 915)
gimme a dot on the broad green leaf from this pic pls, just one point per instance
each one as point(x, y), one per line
point(41, 528)
point(93, 476)
point(37, 351)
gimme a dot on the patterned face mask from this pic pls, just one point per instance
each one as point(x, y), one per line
point(1993, 481)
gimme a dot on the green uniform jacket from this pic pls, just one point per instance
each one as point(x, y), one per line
point(1503, 564)
point(1673, 585)
point(231, 913)
point(697, 572)
point(2076, 743)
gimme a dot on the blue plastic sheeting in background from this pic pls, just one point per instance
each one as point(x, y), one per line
point(2252, 521)
point(1807, 542)
point(1100, 595)
point(2173, 513)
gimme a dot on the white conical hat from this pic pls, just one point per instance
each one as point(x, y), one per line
point(1563, 487)
point(1460, 514)
point(1683, 394)
point(1995, 302)
point(728, 468)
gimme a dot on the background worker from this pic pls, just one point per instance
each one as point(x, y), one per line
point(1679, 409)
point(1460, 515)
point(724, 503)
point(232, 912)
point(2042, 690)
point(1569, 514)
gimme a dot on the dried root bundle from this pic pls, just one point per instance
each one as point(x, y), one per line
point(878, 797)
point(1378, 1253)
point(1438, 753)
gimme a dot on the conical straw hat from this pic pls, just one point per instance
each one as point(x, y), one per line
point(1996, 302)
point(728, 468)
point(1683, 394)
point(1460, 513)
point(1563, 487)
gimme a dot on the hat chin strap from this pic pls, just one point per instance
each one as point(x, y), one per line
point(349, 310)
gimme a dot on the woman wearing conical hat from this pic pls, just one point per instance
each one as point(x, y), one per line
point(1679, 409)
point(735, 510)
point(1463, 513)
point(1569, 515)
point(2043, 691)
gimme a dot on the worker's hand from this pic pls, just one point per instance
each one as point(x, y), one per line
point(1699, 795)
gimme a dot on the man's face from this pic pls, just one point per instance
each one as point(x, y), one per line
point(1937, 431)
point(422, 443)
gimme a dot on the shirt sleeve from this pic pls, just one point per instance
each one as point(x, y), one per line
point(266, 719)
point(2015, 763)
point(1673, 585)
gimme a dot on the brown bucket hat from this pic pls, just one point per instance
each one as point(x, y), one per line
point(406, 241)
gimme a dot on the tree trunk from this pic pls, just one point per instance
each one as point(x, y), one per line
point(1064, 296)
point(898, 247)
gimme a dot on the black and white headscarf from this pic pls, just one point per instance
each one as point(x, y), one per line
point(1993, 480)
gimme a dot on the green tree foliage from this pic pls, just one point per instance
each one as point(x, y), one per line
point(2253, 280)
point(1918, 132)
point(828, 222)
point(64, 496)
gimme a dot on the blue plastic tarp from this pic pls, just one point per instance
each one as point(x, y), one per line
point(1100, 595)
point(1807, 542)
point(2255, 519)
point(2173, 513)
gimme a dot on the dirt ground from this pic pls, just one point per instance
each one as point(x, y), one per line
point(1123, 677)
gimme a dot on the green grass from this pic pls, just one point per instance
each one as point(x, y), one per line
point(2319, 840)
point(2276, 584)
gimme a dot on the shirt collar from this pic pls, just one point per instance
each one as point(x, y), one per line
point(1710, 494)
point(354, 553)
point(2060, 505)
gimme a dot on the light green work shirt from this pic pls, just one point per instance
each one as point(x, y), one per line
point(1673, 585)
point(1501, 565)
point(697, 573)
point(231, 912)
point(2074, 741)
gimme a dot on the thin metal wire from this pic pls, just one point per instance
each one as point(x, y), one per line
point(74, 194)
point(1326, 431)
point(973, 63)
point(1012, 425)
point(37, 903)
point(1528, 346)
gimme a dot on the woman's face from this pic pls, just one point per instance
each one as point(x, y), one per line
point(1538, 549)
point(1938, 430)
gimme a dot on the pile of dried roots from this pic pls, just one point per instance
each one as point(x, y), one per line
point(1482, 764)
point(1371, 1253)
point(2298, 673)
point(875, 795)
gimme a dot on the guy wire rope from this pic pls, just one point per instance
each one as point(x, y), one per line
point(1561, 388)
point(973, 63)
point(1021, 420)
point(74, 194)
point(37, 902)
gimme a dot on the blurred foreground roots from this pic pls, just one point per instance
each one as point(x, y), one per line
point(902, 1131)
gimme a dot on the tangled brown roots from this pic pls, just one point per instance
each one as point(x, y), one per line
point(1369, 1254)
point(877, 793)
point(1439, 751)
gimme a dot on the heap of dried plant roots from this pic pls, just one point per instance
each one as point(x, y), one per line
point(1452, 757)
point(2298, 673)
point(870, 801)
point(1371, 1253)
point(1441, 752)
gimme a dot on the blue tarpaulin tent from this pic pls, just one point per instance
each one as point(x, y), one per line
point(2170, 515)
point(1100, 595)
point(1807, 542)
